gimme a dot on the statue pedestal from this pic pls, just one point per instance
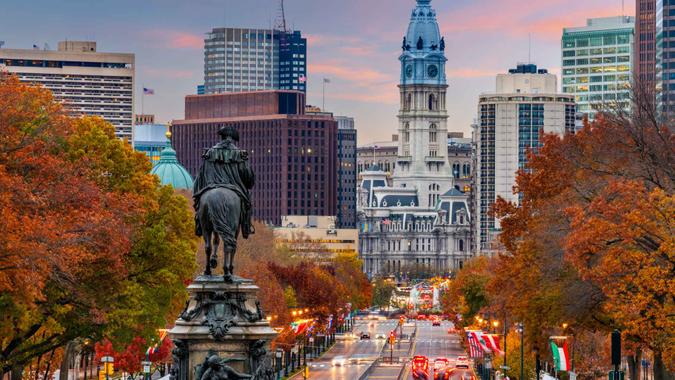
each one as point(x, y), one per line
point(222, 319)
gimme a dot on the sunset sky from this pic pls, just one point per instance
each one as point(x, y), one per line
point(355, 43)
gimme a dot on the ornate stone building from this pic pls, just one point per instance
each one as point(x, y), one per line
point(420, 224)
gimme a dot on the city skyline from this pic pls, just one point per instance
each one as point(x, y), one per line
point(356, 49)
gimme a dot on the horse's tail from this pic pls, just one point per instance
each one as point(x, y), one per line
point(218, 213)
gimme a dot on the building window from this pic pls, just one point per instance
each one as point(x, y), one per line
point(433, 102)
point(432, 133)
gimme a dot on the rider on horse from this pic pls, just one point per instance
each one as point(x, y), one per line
point(226, 166)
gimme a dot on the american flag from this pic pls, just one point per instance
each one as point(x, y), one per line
point(492, 341)
point(148, 91)
point(386, 222)
point(474, 351)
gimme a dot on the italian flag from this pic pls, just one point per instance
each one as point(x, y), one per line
point(561, 356)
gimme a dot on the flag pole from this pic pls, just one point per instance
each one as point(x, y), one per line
point(323, 96)
point(142, 99)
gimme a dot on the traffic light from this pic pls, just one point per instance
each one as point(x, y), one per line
point(616, 348)
point(392, 337)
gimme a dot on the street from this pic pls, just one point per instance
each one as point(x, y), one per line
point(358, 353)
point(435, 342)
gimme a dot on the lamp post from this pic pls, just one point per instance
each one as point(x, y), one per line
point(277, 363)
point(521, 329)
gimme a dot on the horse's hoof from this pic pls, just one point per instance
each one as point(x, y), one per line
point(228, 278)
point(213, 263)
point(207, 273)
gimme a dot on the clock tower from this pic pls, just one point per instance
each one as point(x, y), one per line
point(423, 146)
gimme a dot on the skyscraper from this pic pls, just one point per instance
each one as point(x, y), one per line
point(346, 172)
point(526, 103)
point(420, 225)
point(665, 57)
point(87, 82)
point(644, 66)
point(294, 155)
point(597, 62)
point(243, 59)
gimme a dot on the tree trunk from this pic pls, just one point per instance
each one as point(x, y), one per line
point(65, 362)
point(17, 373)
point(634, 365)
point(660, 370)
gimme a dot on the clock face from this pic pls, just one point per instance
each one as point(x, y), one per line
point(409, 71)
point(432, 71)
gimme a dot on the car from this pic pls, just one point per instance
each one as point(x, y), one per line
point(420, 367)
point(441, 363)
point(462, 362)
point(365, 335)
point(339, 361)
point(421, 317)
point(436, 322)
point(380, 336)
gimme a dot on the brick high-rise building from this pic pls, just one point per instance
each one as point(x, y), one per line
point(644, 66)
point(293, 155)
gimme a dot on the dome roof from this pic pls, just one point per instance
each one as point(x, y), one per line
point(423, 25)
point(170, 171)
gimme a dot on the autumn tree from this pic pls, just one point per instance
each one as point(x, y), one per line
point(591, 240)
point(91, 244)
point(382, 292)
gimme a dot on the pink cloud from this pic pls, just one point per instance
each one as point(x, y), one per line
point(174, 39)
point(349, 74)
point(544, 19)
point(471, 73)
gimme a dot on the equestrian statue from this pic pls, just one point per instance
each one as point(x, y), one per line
point(222, 202)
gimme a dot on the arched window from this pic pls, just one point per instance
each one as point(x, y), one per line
point(461, 245)
point(432, 133)
point(433, 102)
point(407, 105)
point(455, 169)
point(406, 132)
point(466, 170)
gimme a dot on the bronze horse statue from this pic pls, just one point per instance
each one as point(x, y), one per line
point(222, 201)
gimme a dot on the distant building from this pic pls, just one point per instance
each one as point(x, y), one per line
point(384, 155)
point(665, 58)
point(294, 155)
point(597, 63)
point(151, 139)
point(244, 59)
point(316, 237)
point(510, 121)
point(171, 172)
point(87, 82)
point(144, 119)
point(292, 61)
point(346, 172)
point(416, 223)
point(644, 59)
point(200, 89)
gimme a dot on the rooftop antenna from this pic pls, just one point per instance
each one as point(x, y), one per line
point(1, 44)
point(623, 13)
point(280, 23)
point(529, 48)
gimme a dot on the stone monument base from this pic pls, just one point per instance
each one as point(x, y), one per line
point(222, 332)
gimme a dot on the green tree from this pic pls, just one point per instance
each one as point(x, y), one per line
point(382, 292)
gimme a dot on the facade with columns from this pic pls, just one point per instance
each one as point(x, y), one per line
point(421, 223)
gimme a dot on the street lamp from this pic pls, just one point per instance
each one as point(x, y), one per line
point(521, 329)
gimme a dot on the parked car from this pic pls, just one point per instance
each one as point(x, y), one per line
point(380, 336)
point(436, 321)
point(365, 335)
